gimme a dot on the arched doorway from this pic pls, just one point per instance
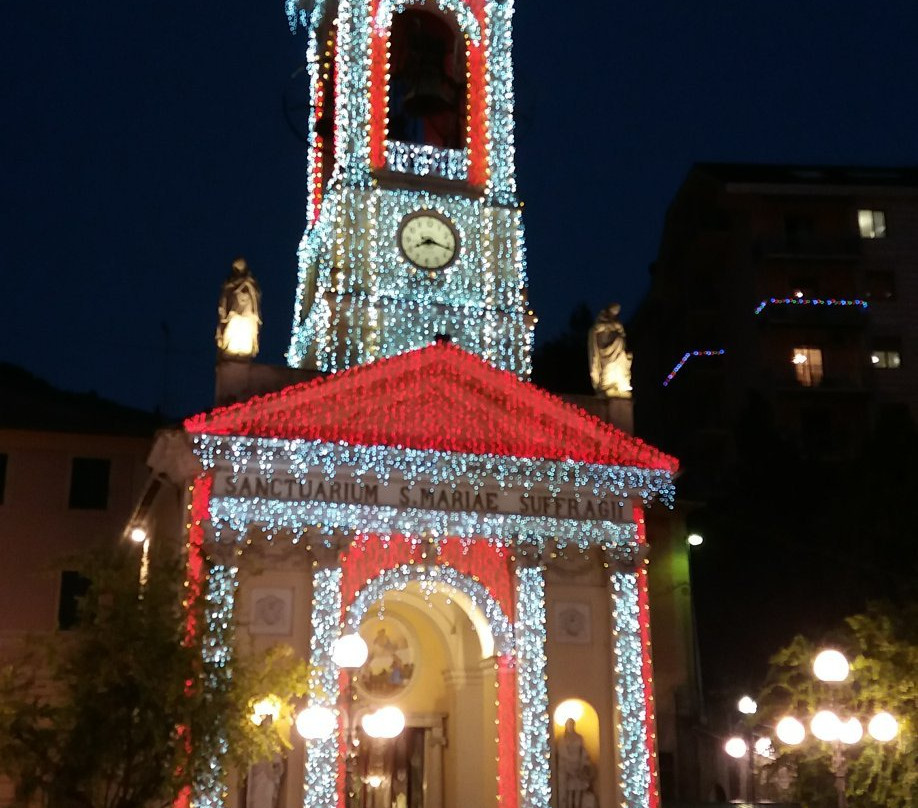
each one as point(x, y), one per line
point(432, 656)
point(441, 649)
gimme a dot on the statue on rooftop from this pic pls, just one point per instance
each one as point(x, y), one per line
point(239, 313)
point(610, 363)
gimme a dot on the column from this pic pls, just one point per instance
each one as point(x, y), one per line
point(633, 687)
point(532, 689)
point(323, 783)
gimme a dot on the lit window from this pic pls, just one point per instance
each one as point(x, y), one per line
point(872, 223)
point(807, 366)
point(886, 354)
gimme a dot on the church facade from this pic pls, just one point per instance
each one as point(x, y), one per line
point(485, 538)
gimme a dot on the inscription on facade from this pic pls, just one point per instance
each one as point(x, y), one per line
point(439, 498)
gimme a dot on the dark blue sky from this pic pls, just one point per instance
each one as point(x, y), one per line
point(144, 146)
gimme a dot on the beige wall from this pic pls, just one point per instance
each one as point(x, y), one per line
point(39, 532)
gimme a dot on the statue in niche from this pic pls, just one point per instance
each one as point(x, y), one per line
point(575, 771)
point(239, 313)
point(610, 363)
point(263, 787)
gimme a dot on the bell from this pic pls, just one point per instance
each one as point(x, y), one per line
point(429, 90)
point(428, 95)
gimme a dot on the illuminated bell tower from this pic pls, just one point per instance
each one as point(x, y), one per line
point(414, 223)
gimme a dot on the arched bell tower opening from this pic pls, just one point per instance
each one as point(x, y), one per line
point(428, 63)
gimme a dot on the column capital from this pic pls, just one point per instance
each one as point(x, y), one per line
point(629, 558)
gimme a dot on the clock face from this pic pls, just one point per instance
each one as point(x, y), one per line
point(428, 240)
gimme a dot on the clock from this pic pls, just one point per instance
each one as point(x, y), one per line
point(428, 240)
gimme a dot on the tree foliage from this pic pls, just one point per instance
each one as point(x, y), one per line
point(882, 646)
point(90, 717)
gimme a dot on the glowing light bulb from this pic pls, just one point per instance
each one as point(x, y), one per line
point(267, 707)
point(350, 651)
point(883, 727)
point(736, 747)
point(790, 731)
point(850, 731)
point(747, 705)
point(826, 726)
point(314, 723)
point(386, 722)
point(831, 666)
point(765, 748)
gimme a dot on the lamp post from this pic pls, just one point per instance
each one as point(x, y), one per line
point(748, 746)
point(349, 653)
point(831, 666)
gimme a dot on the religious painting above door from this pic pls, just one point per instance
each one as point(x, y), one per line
point(390, 665)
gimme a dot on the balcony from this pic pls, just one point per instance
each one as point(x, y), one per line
point(813, 312)
point(810, 247)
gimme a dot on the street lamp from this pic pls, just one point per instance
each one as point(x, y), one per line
point(749, 746)
point(826, 725)
point(350, 652)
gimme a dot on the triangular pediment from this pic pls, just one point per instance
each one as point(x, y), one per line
point(435, 398)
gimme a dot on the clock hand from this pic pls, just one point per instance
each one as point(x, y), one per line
point(428, 240)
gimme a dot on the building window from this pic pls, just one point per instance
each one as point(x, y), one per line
point(73, 587)
point(89, 478)
point(3, 462)
point(879, 284)
point(886, 354)
point(872, 223)
point(807, 366)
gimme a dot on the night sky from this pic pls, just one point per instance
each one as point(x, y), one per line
point(145, 146)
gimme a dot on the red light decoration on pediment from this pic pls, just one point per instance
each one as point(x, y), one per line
point(439, 398)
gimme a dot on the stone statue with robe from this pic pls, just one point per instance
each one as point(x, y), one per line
point(610, 363)
point(575, 771)
point(263, 786)
point(239, 313)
